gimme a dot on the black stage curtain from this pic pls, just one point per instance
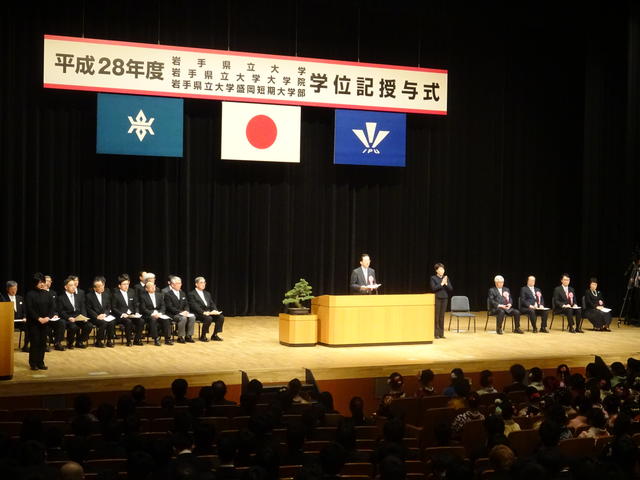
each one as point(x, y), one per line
point(534, 170)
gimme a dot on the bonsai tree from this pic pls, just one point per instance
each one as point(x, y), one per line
point(300, 292)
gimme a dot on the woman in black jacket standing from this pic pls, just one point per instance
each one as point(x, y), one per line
point(441, 286)
point(40, 310)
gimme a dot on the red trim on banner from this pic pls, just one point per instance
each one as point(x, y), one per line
point(239, 54)
point(247, 100)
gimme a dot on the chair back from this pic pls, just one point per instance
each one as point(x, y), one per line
point(460, 303)
point(577, 447)
point(524, 442)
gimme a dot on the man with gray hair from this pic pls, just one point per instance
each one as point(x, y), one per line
point(19, 312)
point(500, 304)
point(205, 310)
point(177, 308)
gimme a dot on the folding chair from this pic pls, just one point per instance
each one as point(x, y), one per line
point(460, 309)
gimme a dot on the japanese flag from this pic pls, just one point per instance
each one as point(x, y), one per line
point(267, 133)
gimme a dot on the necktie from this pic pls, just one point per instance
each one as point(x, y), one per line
point(73, 303)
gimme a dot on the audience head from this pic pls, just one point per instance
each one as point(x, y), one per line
point(518, 373)
point(71, 471)
point(219, 389)
point(326, 400)
point(254, 386)
point(356, 407)
point(501, 458)
point(206, 394)
point(179, 388)
point(535, 375)
point(426, 377)
point(395, 382)
point(139, 394)
point(486, 378)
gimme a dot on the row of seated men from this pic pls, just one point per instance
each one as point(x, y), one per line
point(132, 307)
point(532, 304)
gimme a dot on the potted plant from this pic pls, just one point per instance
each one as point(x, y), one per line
point(300, 292)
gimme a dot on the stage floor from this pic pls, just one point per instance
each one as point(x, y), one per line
point(251, 344)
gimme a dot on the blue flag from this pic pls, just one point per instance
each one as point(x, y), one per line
point(370, 138)
point(139, 125)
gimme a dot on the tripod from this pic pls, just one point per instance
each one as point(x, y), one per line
point(634, 283)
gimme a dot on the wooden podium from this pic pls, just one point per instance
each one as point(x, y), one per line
point(352, 320)
point(6, 340)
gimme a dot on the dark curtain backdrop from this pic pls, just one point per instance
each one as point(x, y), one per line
point(534, 170)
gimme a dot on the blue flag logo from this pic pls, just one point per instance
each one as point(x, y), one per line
point(139, 125)
point(370, 138)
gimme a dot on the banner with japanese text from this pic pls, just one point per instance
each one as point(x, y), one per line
point(72, 63)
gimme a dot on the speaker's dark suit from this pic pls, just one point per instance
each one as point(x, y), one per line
point(77, 332)
point(106, 330)
point(495, 299)
point(358, 280)
point(38, 303)
point(527, 300)
point(198, 307)
point(174, 306)
point(119, 306)
point(560, 298)
point(147, 308)
point(442, 297)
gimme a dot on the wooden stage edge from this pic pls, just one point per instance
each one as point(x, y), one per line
point(252, 345)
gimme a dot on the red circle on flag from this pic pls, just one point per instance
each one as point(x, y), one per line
point(261, 131)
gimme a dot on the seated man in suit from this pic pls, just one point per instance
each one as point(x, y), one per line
point(205, 310)
point(501, 304)
point(363, 277)
point(99, 312)
point(55, 329)
point(531, 300)
point(125, 308)
point(70, 306)
point(564, 298)
point(153, 311)
point(177, 306)
point(19, 312)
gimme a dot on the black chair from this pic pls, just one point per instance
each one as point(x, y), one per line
point(554, 313)
point(520, 310)
point(460, 309)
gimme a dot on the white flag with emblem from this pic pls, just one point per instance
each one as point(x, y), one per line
point(258, 132)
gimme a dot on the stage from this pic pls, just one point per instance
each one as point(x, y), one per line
point(251, 344)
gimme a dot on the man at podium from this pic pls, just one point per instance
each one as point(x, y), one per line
point(363, 278)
